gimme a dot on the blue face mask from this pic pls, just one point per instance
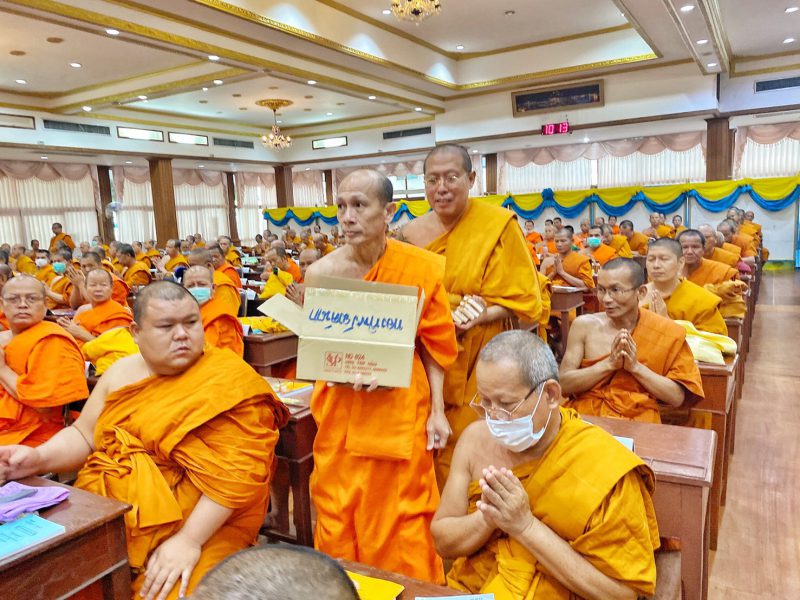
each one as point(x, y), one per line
point(60, 268)
point(593, 242)
point(201, 294)
point(518, 435)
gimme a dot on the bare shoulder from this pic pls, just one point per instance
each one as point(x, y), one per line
point(331, 265)
point(419, 231)
point(83, 308)
point(125, 371)
point(586, 324)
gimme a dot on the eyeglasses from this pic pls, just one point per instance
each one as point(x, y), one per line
point(17, 300)
point(483, 407)
point(449, 180)
point(615, 292)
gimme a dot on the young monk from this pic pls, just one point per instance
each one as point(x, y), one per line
point(220, 326)
point(568, 268)
point(60, 236)
point(134, 272)
point(548, 244)
point(618, 243)
point(533, 236)
point(222, 265)
point(59, 289)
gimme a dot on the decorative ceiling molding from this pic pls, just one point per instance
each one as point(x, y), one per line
point(383, 125)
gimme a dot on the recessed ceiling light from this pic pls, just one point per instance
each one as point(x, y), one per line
point(218, 82)
point(201, 166)
point(329, 114)
point(311, 82)
point(87, 109)
point(128, 162)
point(510, 13)
point(701, 42)
point(418, 109)
point(308, 168)
point(213, 57)
point(112, 31)
point(43, 157)
point(788, 40)
point(711, 65)
point(474, 151)
point(371, 97)
point(142, 97)
point(279, 121)
point(585, 139)
point(386, 11)
point(75, 65)
point(687, 8)
point(792, 9)
point(460, 47)
point(205, 89)
point(21, 81)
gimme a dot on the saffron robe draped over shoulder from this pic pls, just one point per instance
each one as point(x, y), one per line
point(294, 270)
point(51, 373)
point(25, 265)
point(233, 257)
point(690, 302)
point(221, 327)
point(61, 237)
point(60, 284)
point(104, 316)
point(602, 254)
point(485, 256)
point(621, 245)
point(578, 265)
point(639, 243)
point(46, 274)
point(605, 514)
point(660, 346)
point(179, 260)
point(136, 274)
point(119, 289)
point(165, 441)
point(225, 291)
point(230, 271)
point(725, 257)
point(711, 271)
point(374, 484)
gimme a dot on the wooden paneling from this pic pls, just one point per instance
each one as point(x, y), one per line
point(283, 186)
point(231, 202)
point(104, 225)
point(328, 174)
point(163, 190)
point(719, 152)
point(491, 173)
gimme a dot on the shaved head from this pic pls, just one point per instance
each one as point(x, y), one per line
point(158, 290)
point(455, 149)
point(668, 244)
point(630, 266)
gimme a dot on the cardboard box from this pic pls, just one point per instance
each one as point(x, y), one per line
point(349, 326)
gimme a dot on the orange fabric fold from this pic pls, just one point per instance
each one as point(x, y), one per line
point(221, 327)
point(603, 253)
point(233, 275)
point(136, 274)
point(175, 262)
point(104, 316)
point(710, 271)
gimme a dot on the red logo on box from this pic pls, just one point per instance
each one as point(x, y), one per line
point(333, 361)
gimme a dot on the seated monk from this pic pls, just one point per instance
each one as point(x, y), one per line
point(662, 229)
point(291, 267)
point(5, 274)
point(141, 255)
point(89, 261)
point(711, 249)
point(636, 240)
point(750, 227)
point(22, 263)
point(151, 252)
point(222, 265)
point(294, 291)
point(101, 314)
point(172, 258)
point(612, 222)
point(231, 254)
point(187, 245)
point(183, 433)
point(624, 361)
point(59, 290)
point(548, 244)
point(580, 239)
point(199, 242)
point(596, 249)
point(220, 326)
point(618, 243)
point(677, 225)
point(568, 268)
point(276, 280)
point(134, 272)
point(225, 290)
point(526, 512)
point(679, 299)
point(533, 236)
point(108, 347)
point(41, 367)
point(320, 242)
point(44, 270)
point(744, 242)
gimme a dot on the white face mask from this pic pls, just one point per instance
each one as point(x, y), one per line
point(41, 262)
point(518, 435)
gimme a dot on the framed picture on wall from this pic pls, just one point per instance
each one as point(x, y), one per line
point(554, 98)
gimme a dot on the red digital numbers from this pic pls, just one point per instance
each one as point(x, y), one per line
point(555, 128)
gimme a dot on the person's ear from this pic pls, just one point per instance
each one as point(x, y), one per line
point(641, 292)
point(389, 211)
point(552, 393)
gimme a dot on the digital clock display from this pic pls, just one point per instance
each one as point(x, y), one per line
point(555, 128)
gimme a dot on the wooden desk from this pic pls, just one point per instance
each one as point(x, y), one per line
point(736, 333)
point(92, 549)
point(564, 302)
point(413, 587)
point(683, 461)
point(261, 351)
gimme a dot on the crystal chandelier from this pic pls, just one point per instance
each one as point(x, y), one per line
point(415, 11)
point(275, 138)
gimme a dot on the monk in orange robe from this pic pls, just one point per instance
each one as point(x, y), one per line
point(568, 268)
point(546, 292)
point(41, 367)
point(21, 262)
point(60, 236)
point(547, 245)
point(698, 269)
point(231, 254)
point(748, 226)
point(135, 273)
point(59, 289)
point(320, 242)
point(172, 258)
point(223, 266)
point(616, 360)
point(636, 240)
point(533, 236)
point(225, 291)
point(5, 274)
point(89, 261)
point(221, 327)
point(184, 434)
point(151, 252)
point(369, 442)
point(44, 270)
point(618, 243)
point(712, 251)
point(745, 243)
point(582, 531)
point(612, 222)
point(294, 269)
point(141, 255)
point(596, 249)
point(489, 274)
point(101, 315)
point(677, 225)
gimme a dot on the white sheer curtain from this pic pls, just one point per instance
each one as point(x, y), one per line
point(662, 168)
point(201, 208)
point(575, 175)
point(780, 159)
point(254, 193)
point(479, 186)
point(11, 230)
point(135, 220)
point(307, 188)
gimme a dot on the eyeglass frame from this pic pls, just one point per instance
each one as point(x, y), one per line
point(29, 299)
point(615, 293)
point(442, 179)
point(479, 407)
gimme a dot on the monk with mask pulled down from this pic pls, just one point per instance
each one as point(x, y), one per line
point(225, 290)
point(369, 440)
point(627, 360)
point(489, 274)
point(568, 268)
point(669, 295)
point(33, 390)
point(220, 326)
point(209, 424)
point(526, 512)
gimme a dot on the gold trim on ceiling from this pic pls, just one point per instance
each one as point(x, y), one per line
point(715, 24)
point(620, 4)
point(763, 71)
point(173, 126)
point(755, 57)
point(362, 127)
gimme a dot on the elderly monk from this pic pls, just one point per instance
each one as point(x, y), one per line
point(295, 290)
point(186, 246)
point(320, 242)
point(134, 272)
point(199, 242)
point(744, 242)
point(221, 327)
point(183, 433)
point(679, 299)
point(677, 224)
point(370, 441)
point(489, 273)
point(5, 274)
point(22, 263)
point(711, 249)
point(581, 237)
point(526, 512)
point(568, 268)
point(113, 257)
point(619, 243)
point(533, 236)
point(662, 229)
point(225, 291)
point(748, 226)
point(44, 270)
point(231, 254)
point(222, 265)
point(92, 260)
point(59, 288)
point(60, 236)
point(173, 258)
point(636, 240)
point(103, 313)
point(596, 248)
point(41, 367)
point(624, 361)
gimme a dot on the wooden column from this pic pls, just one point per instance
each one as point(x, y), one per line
point(284, 189)
point(163, 200)
point(231, 191)
point(104, 225)
point(491, 172)
point(719, 150)
point(328, 174)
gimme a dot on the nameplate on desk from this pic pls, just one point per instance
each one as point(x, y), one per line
point(26, 532)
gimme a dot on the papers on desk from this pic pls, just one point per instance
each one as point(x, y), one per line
point(288, 390)
point(250, 294)
point(565, 288)
point(370, 588)
point(27, 531)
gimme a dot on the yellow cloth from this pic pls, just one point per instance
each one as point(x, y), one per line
point(724, 257)
point(747, 243)
point(263, 324)
point(690, 302)
point(276, 284)
point(708, 347)
point(486, 256)
point(665, 231)
point(136, 274)
point(104, 316)
point(546, 292)
point(61, 237)
point(621, 245)
point(731, 294)
point(605, 514)
point(25, 265)
point(233, 257)
point(226, 291)
point(175, 262)
point(602, 254)
point(108, 347)
point(711, 271)
point(46, 274)
point(639, 243)
point(575, 264)
point(60, 284)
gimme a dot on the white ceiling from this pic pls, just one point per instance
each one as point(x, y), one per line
point(759, 26)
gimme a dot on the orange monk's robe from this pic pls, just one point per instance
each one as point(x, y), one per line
point(615, 229)
point(619, 243)
point(724, 257)
point(165, 441)
point(603, 253)
point(61, 237)
point(665, 231)
point(4, 326)
point(119, 290)
point(733, 249)
point(221, 327)
point(639, 243)
point(233, 257)
point(25, 265)
point(711, 271)
point(106, 315)
point(374, 484)
point(294, 270)
point(546, 292)
point(534, 255)
point(60, 284)
point(551, 246)
point(578, 265)
point(154, 255)
point(232, 273)
point(750, 228)
point(327, 250)
point(137, 274)
point(108, 266)
point(660, 346)
point(51, 373)
point(534, 237)
point(226, 292)
point(747, 243)
point(142, 257)
point(175, 262)
point(679, 230)
point(690, 302)
point(606, 515)
point(579, 240)
point(117, 266)
point(486, 256)
point(46, 274)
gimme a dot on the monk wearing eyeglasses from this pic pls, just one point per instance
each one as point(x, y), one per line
point(626, 360)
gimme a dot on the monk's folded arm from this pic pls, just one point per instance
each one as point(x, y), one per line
point(571, 569)
point(205, 519)
point(663, 388)
point(8, 379)
point(496, 312)
point(572, 280)
point(460, 536)
point(77, 296)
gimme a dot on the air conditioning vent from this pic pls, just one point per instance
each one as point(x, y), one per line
point(76, 127)
point(233, 143)
point(770, 85)
point(390, 135)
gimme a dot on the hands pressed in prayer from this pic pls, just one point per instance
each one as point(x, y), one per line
point(294, 292)
point(504, 501)
point(161, 264)
point(558, 264)
point(438, 430)
point(617, 357)
point(74, 329)
point(175, 558)
point(628, 346)
point(469, 312)
point(657, 304)
point(76, 276)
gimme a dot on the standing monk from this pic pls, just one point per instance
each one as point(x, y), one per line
point(60, 236)
point(372, 441)
point(41, 367)
point(489, 274)
point(185, 435)
point(221, 327)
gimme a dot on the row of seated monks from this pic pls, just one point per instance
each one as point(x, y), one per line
point(483, 460)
